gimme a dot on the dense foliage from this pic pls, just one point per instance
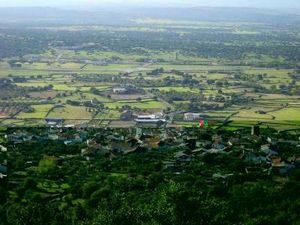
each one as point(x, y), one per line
point(52, 183)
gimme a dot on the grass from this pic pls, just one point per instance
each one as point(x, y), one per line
point(250, 114)
point(63, 87)
point(70, 112)
point(110, 67)
point(40, 112)
point(32, 84)
point(287, 114)
point(235, 125)
point(178, 89)
point(217, 76)
point(219, 114)
point(23, 122)
point(103, 88)
point(85, 89)
point(145, 104)
point(111, 115)
point(90, 96)
point(199, 68)
point(187, 124)
point(268, 71)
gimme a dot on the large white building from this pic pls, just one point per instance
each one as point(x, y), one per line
point(149, 119)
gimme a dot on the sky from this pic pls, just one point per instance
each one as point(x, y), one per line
point(150, 3)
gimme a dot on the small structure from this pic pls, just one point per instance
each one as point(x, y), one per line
point(119, 90)
point(149, 119)
point(255, 130)
point(281, 167)
point(192, 116)
point(3, 171)
point(182, 157)
point(54, 121)
point(3, 148)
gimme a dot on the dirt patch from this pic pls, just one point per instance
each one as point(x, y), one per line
point(129, 97)
point(43, 94)
point(123, 124)
point(3, 115)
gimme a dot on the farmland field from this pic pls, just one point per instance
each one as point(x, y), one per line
point(146, 104)
point(39, 112)
point(226, 71)
point(70, 112)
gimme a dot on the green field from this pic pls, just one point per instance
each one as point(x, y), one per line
point(40, 112)
point(147, 104)
point(70, 112)
point(178, 89)
point(108, 115)
point(287, 114)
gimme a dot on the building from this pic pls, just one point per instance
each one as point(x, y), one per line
point(192, 116)
point(3, 171)
point(149, 119)
point(54, 121)
point(119, 90)
point(3, 149)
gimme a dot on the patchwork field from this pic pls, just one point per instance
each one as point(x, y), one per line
point(80, 87)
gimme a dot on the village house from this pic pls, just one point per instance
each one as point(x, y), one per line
point(218, 143)
point(191, 116)
point(281, 167)
point(149, 119)
point(54, 121)
point(74, 139)
point(182, 157)
point(3, 149)
point(53, 137)
point(3, 171)
point(169, 165)
point(119, 90)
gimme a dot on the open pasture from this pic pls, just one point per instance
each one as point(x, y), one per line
point(177, 89)
point(39, 112)
point(144, 104)
point(70, 112)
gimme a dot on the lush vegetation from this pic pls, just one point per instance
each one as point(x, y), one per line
point(53, 183)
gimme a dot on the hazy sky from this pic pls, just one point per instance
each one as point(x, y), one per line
point(88, 3)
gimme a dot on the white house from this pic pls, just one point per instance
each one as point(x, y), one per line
point(119, 90)
point(149, 119)
point(192, 116)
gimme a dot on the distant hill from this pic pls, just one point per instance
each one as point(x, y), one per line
point(40, 15)
point(124, 16)
point(221, 14)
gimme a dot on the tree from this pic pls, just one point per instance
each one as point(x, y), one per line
point(47, 165)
